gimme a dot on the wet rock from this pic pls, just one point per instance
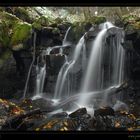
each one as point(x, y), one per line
point(90, 35)
point(60, 115)
point(46, 32)
point(137, 122)
point(104, 111)
point(63, 26)
point(56, 61)
point(84, 121)
point(120, 106)
point(78, 113)
point(42, 103)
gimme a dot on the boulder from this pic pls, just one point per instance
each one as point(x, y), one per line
point(104, 111)
point(78, 113)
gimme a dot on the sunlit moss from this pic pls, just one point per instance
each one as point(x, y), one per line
point(21, 33)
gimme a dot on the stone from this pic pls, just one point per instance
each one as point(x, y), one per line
point(78, 113)
point(104, 111)
point(60, 115)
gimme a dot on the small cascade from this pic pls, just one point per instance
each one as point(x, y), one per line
point(41, 75)
point(41, 70)
point(65, 42)
point(66, 69)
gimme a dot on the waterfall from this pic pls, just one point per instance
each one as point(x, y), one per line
point(100, 72)
point(93, 78)
point(94, 75)
point(65, 42)
point(63, 76)
point(41, 70)
point(29, 72)
point(41, 75)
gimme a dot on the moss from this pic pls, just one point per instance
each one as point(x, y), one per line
point(77, 31)
point(4, 34)
point(56, 31)
point(42, 21)
point(9, 19)
point(21, 33)
point(97, 20)
point(37, 25)
point(58, 20)
point(22, 13)
point(4, 56)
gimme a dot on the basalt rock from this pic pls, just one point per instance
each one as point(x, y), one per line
point(104, 111)
point(78, 113)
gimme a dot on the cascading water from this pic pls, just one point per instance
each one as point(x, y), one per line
point(65, 42)
point(101, 71)
point(41, 71)
point(41, 75)
point(94, 76)
point(63, 76)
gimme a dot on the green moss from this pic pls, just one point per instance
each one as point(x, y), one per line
point(9, 19)
point(4, 56)
point(21, 32)
point(97, 20)
point(56, 31)
point(37, 25)
point(77, 31)
point(4, 34)
point(22, 13)
point(42, 21)
point(58, 20)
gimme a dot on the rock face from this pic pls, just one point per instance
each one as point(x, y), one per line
point(133, 62)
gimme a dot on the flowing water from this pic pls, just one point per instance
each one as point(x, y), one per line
point(102, 70)
point(67, 68)
point(41, 70)
point(94, 76)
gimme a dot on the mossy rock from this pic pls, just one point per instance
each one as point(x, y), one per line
point(41, 21)
point(100, 20)
point(21, 33)
point(36, 25)
point(22, 13)
point(133, 21)
point(77, 31)
point(56, 31)
point(9, 19)
point(97, 20)
point(4, 34)
point(58, 20)
point(4, 56)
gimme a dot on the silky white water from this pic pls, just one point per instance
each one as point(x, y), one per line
point(64, 74)
point(94, 76)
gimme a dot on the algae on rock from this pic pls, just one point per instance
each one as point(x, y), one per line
point(21, 33)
